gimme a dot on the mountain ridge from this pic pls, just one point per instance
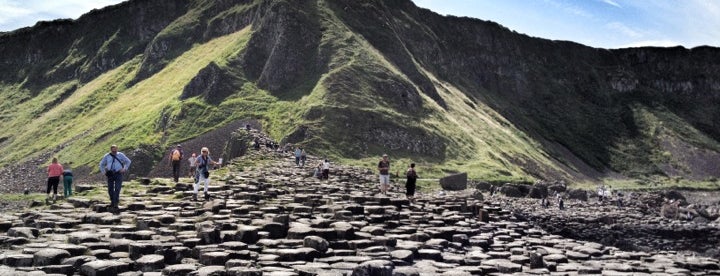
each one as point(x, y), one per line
point(354, 79)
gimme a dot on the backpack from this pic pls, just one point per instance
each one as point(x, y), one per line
point(176, 155)
point(412, 174)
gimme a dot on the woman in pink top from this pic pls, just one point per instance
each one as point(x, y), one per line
point(55, 172)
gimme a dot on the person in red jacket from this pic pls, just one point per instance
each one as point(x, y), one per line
point(55, 172)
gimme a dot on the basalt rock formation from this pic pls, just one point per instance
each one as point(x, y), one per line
point(274, 219)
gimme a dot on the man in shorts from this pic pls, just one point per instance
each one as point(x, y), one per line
point(384, 168)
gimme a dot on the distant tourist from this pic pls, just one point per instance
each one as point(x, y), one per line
point(561, 203)
point(326, 169)
point(54, 171)
point(193, 165)
point(256, 143)
point(303, 157)
point(176, 156)
point(411, 181)
point(203, 172)
point(384, 169)
point(67, 182)
point(114, 164)
point(318, 171)
point(297, 153)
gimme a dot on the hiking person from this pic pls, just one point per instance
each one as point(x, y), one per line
point(67, 177)
point(303, 157)
point(326, 169)
point(411, 181)
point(176, 156)
point(54, 171)
point(193, 165)
point(297, 153)
point(384, 169)
point(113, 165)
point(202, 172)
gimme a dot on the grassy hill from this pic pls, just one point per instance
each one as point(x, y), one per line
point(351, 80)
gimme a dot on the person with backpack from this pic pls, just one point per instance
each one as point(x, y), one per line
point(202, 172)
point(176, 157)
point(410, 183)
point(113, 165)
point(55, 172)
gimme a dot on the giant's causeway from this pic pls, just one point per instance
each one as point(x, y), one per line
point(275, 219)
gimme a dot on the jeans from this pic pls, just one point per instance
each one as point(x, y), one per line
point(114, 183)
point(297, 160)
point(67, 186)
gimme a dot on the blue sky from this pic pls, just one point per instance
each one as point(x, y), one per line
point(597, 23)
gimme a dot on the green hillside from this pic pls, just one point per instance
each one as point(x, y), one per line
point(351, 80)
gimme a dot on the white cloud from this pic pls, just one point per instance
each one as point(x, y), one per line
point(651, 43)
point(10, 11)
point(627, 31)
point(16, 14)
point(612, 3)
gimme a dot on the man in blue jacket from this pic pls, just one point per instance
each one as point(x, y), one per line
point(114, 164)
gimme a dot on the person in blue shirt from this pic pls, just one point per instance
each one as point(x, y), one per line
point(114, 164)
point(298, 153)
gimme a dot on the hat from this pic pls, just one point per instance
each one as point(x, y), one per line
point(384, 155)
point(179, 146)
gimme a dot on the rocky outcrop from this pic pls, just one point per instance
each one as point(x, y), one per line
point(455, 182)
point(273, 219)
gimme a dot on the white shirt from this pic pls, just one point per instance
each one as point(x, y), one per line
point(326, 165)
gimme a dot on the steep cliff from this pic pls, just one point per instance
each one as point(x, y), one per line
point(355, 79)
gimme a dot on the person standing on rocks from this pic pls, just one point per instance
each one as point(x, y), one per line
point(203, 174)
point(67, 177)
point(113, 165)
point(55, 172)
point(297, 153)
point(193, 165)
point(176, 156)
point(326, 169)
point(411, 181)
point(384, 169)
point(303, 157)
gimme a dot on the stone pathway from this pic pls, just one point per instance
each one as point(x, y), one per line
point(276, 220)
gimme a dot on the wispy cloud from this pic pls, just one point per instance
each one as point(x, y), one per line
point(16, 14)
point(570, 9)
point(651, 43)
point(625, 30)
point(10, 11)
point(612, 3)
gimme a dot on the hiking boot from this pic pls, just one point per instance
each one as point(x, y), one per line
point(54, 197)
point(207, 196)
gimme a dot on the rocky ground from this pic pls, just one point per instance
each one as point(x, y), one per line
point(276, 220)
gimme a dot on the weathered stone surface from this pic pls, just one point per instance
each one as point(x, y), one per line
point(104, 268)
point(50, 256)
point(374, 268)
point(148, 263)
point(317, 243)
point(179, 269)
point(455, 182)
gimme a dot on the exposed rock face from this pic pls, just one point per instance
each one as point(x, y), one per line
point(272, 219)
point(456, 182)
